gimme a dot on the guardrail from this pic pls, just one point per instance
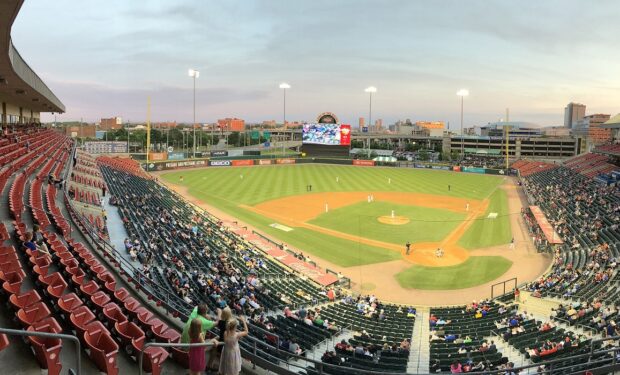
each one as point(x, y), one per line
point(61, 336)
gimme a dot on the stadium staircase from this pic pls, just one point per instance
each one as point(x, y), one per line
point(420, 347)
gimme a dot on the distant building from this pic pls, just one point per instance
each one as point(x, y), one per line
point(112, 123)
point(164, 125)
point(84, 131)
point(573, 113)
point(231, 124)
point(269, 123)
point(378, 124)
point(431, 124)
point(516, 129)
point(361, 122)
point(556, 131)
point(589, 128)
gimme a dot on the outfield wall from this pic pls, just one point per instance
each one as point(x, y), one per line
point(246, 161)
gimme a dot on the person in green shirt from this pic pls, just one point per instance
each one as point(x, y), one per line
point(201, 312)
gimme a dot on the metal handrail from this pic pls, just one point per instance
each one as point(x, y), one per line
point(62, 336)
point(168, 345)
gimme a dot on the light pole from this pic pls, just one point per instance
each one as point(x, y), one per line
point(462, 93)
point(194, 74)
point(370, 90)
point(284, 86)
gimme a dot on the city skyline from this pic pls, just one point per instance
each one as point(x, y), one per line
point(533, 59)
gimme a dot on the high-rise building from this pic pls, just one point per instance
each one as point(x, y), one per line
point(573, 113)
point(378, 124)
point(361, 122)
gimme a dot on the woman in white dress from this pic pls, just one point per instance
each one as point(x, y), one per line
point(230, 362)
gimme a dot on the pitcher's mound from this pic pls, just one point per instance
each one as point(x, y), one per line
point(396, 220)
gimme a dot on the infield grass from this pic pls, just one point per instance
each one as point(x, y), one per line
point(361, 219)
point(474, 271)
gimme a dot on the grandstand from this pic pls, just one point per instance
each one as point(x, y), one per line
point(107, 263)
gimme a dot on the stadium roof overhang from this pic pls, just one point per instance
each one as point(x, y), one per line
point(19, 84)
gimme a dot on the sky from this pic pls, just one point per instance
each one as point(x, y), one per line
point(104, 58)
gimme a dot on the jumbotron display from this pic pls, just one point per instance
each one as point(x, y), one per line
point(327, 134)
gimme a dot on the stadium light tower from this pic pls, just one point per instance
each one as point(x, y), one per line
point(462, 93)
point(370, 90)
point(284, 86)
point(194, 74)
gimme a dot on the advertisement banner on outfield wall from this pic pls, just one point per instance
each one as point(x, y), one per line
point(495, 171)
point(365, 163)
point(441, 167)
point(285, 161)
point(182, 164)
point(456, 168)
point(246, 162)
point(176, 155)
point(218, 153)
point(264, 162)
point(220, 163)
point(473, 170)
point(157, 156)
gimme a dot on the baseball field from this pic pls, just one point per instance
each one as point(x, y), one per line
point(350, 217)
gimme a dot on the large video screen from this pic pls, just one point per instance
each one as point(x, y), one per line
point(327, 134)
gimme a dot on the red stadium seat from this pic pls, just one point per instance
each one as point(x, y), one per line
point(120, 295)
point(128, 331)
point(103, 350)
point(69, 302)
point(113, 314)
point(80, 318)
point(57, 287)
point(4, 341)
point(100, 299)
point(108, 281)
point(89, 288)
point(180, 356)
point(132, 305)
point(144, 316)
point(12, 281)
point(19, 301)
point(77, 278)
point(33, 313)
point(47, 350)
point(46, 280)
point(154, 357)
point(163, 333)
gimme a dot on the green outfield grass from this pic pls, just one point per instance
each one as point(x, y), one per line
point(225, 189)
point(474, 271)
point(490, 232)
point(425, 225)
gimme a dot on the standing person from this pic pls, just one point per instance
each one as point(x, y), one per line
point(200, 312)
point(517, 295)
point(103, 190)
point(449, 187)
point(197, 360)
point(512, 243)
point(230, 363)
point(407, 248)
point(223, 317)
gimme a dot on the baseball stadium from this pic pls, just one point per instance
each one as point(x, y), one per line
point(319, 248)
